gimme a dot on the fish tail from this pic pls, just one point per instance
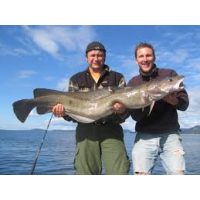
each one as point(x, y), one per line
point(22, 109)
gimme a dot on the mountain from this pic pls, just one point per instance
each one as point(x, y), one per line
point(193, 130)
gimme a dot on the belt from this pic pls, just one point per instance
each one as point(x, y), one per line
point(97, 123)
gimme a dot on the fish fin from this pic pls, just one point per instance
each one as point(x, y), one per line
point(151, 107)
point(43, 110)
point(92, 94)
point(39, 92)
point(22, 108)
point(80, 118)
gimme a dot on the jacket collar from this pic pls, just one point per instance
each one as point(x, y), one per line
point(151, 75)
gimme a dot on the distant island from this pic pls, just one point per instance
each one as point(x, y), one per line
point(193, 130)
point(38, 130)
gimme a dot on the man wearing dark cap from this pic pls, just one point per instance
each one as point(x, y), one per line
point(101, 141)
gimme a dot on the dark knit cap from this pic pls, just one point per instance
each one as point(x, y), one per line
point(95, 46)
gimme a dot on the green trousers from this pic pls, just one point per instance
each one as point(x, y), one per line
point(97, 144)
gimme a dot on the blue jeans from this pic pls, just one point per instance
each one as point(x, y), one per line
point(148, 147)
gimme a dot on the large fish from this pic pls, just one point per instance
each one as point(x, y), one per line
point(87, 107)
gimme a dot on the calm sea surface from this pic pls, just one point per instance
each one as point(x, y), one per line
point(18, 151)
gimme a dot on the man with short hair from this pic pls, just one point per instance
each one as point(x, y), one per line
point(101, 141)
point(157, 132)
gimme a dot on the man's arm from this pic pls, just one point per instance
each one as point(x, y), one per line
point(179, 100)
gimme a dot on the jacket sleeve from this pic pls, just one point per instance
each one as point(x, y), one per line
point(183, 100)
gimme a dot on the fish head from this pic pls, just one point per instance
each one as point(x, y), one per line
point(159, 88)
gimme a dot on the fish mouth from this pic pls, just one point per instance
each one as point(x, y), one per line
point(177, 86)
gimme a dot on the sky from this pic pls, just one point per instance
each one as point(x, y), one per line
point(47, 56)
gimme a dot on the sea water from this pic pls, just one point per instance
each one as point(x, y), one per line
point(18, 150)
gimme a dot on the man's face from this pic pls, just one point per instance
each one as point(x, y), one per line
point(145, 59)
point(95, 59)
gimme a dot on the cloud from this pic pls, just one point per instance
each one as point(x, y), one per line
point(49, 78)
point(54, 39)
point(33, 113)
point(124, 64)
point(177, 38)
point(176, 56)
point(26, 74)
point(63, 84)
point(191, 71)
point(193, 63)
point(12, 51)
point(191, 117)
point(61, 124)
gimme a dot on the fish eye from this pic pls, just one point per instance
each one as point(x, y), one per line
point(170, 80)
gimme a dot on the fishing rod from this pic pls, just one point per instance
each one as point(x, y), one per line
point(41, 144)
point(39, 150)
